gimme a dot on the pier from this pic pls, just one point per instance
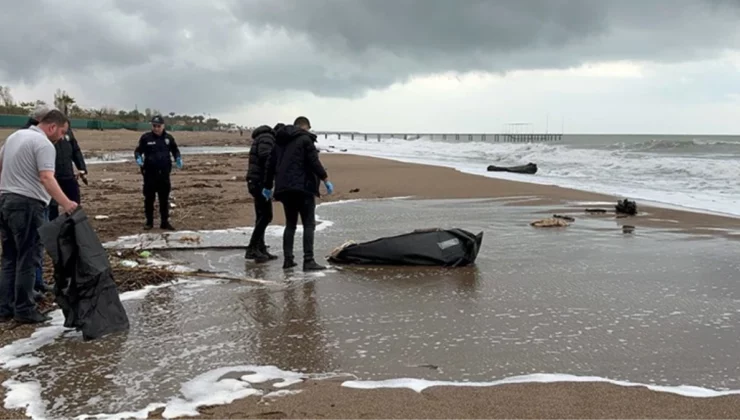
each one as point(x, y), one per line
point(484, 137)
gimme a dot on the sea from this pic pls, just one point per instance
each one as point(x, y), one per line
point(699, 173)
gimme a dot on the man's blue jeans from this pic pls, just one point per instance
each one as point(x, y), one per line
point(20, 219)
point(40, 285)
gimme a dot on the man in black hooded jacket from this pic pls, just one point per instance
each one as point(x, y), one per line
point(295, 169)
point(263, 140)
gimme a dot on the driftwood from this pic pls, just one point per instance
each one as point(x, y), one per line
point(550, 222)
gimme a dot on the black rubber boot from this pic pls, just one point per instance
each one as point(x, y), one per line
point(166, 226)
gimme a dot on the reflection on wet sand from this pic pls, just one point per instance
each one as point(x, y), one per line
point(290, 334)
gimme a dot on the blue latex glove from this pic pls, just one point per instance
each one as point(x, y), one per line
point(329, 187)
point(139, 161)
point(178, 161)
point(266, 193)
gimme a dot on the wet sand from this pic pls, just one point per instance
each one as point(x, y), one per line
point(586, 300)
point(213, 185)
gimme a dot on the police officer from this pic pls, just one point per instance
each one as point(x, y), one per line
point(153, 157)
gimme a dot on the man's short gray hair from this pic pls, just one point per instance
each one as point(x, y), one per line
point(40, 111)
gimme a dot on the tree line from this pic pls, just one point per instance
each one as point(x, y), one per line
point(65, 102)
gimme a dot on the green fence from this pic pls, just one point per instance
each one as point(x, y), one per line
point(17, 121)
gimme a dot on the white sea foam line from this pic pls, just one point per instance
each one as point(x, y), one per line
point(420, 385)
point(209, 389)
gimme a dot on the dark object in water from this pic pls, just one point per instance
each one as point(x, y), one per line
point(530, 168)
point(83, 278)
point(568, 218)
point(626, 207)
point(354, 190)
point(600, 211)
point(628, 229)
point(424, 247)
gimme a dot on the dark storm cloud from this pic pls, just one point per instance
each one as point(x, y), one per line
point(196, 56)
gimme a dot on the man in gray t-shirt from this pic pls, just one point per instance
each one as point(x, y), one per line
point(27, 185)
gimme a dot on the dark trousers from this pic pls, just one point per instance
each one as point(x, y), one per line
point(40, 269)
point(71, 189)
point(262, 216)
point(303, 205)
point(20, 219)
point(157, 185)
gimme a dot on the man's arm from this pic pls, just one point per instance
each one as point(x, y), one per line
point(312, 160)
point(77, 157)
point(270, 169)
point(139, 151)
point(46, 155)
point(55, 191)
point(173, 147)
point(263, 150)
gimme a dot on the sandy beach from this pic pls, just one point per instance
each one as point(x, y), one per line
point(210, 193)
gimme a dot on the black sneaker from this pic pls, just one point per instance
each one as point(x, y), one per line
point(312, 265)
point(166, 226)
point(34, 318)
point(289, 263)
point(149, 226)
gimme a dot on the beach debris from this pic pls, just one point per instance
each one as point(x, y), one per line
point(626, 207)
point(628, 229)
point(129, 263)
point(597, 211)
point(427, 366)
point(354, 190)
point(107, 180)
point(566, 218)
point(529, 168)
point(145, 254)
point(189, 239)
point(173, 205)
point(550, 222)
point(101, 217)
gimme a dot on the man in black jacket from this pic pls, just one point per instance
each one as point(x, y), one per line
point(153, 157)
point(295, 169)
point(263, 140)
point(69, 156)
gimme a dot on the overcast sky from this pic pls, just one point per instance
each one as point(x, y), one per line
point(593, 66)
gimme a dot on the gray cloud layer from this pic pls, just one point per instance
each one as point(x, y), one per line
point(196, 56)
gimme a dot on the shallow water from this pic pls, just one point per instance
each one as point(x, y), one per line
point(587, 300)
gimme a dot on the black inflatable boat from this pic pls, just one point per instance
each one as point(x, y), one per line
point(428, 247)
point(530, 168)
